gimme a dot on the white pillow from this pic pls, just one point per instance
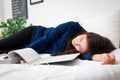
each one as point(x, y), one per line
point(107, 25)
point(116, 52)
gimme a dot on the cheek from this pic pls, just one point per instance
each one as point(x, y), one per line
point(84, 47)
point(78, 48)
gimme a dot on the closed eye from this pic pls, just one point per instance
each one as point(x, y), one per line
point(81, 38)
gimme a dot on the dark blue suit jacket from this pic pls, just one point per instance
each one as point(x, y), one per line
point(53, 39)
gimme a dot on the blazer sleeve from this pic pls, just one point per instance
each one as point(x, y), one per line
point(86, 56)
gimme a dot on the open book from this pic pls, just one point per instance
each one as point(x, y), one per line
point(30, 56)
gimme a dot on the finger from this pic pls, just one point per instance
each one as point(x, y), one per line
point(112, 56)
point(107, 59)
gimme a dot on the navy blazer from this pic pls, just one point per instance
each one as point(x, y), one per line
point(53, 39)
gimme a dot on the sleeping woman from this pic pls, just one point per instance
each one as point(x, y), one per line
point(66, 38)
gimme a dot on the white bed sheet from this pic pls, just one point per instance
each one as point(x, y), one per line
point(75, 70)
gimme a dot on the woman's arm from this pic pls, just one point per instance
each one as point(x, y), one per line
point(65, 30)
point(106, 58)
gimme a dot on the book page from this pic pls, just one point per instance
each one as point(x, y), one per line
point(56, 59)
point(28, 54)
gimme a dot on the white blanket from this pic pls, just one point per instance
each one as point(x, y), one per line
point(75, 70)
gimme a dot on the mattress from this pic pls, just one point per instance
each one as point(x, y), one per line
point(73, 70)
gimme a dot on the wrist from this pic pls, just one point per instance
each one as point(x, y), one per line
point(97, 57)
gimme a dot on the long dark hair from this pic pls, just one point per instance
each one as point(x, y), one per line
point(97, 44)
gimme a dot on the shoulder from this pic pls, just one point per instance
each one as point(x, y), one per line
point(68, 25)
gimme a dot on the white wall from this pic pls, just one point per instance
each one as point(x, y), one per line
point(5, 10)
point(53, 12)
point(1, 11)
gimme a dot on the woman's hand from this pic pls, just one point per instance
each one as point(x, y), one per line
point(4, 54)
point(106, 58)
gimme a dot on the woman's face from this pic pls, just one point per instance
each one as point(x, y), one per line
point(80, 43)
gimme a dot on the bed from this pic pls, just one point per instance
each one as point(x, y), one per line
point(75, 70)
point(107, 25)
